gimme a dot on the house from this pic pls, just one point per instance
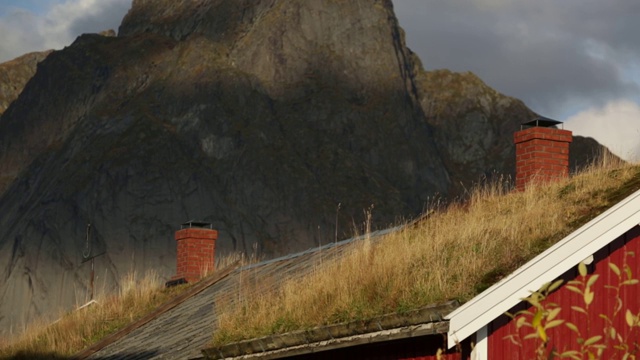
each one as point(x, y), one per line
point(477, 329)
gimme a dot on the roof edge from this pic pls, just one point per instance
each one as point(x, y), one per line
point(424, 321)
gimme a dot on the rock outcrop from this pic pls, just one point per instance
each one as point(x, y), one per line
point(14, 75)
point(258, 116)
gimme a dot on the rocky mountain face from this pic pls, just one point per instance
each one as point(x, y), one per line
point(473, 127)
point(14, 75)
point(271, 119)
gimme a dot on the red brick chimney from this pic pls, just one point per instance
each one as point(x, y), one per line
point(196, 250)
point(542, 152)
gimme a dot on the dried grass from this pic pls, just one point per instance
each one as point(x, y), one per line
point(75, 330)
point(453, 253)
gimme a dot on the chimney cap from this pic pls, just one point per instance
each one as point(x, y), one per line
point(196, 224)
point(541, 122)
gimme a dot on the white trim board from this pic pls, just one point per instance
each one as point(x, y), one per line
point(481, 349)
point(549, 265)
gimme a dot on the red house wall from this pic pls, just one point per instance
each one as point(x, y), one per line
point(561, 338)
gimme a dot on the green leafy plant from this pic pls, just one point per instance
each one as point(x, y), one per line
point(544, 315)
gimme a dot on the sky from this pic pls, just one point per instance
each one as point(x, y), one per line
point(576, 61)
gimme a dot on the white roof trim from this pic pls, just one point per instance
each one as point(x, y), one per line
point(546, 267)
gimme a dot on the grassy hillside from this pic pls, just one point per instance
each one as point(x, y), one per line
point(454, 252)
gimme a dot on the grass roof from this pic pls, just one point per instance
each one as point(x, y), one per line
point(76, 329)
point(454, 252)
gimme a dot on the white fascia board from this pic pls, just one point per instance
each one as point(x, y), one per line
point(546, 267)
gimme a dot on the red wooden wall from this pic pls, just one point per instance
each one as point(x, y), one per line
point(561, 338)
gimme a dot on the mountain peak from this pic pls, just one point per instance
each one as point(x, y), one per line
point(217, 19)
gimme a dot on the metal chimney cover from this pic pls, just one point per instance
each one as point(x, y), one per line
point(196, 224)
point(541, 122)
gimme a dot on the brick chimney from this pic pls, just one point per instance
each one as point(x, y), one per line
point(542, 152)
point(196, 250)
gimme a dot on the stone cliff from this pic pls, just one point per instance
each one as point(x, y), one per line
point(258, 116)
point(14, 75)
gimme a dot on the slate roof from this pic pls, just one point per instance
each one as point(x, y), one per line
point(183, 331)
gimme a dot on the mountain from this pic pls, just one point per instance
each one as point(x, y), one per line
point(473, 127)
point(277, 121)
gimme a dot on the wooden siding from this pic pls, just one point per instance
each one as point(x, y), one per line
point(562, 338)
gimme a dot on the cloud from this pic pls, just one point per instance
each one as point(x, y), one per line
point(24, 31)
point(557, 56)
point(615, 125)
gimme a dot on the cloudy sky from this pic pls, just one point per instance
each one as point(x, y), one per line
point(577, 61)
